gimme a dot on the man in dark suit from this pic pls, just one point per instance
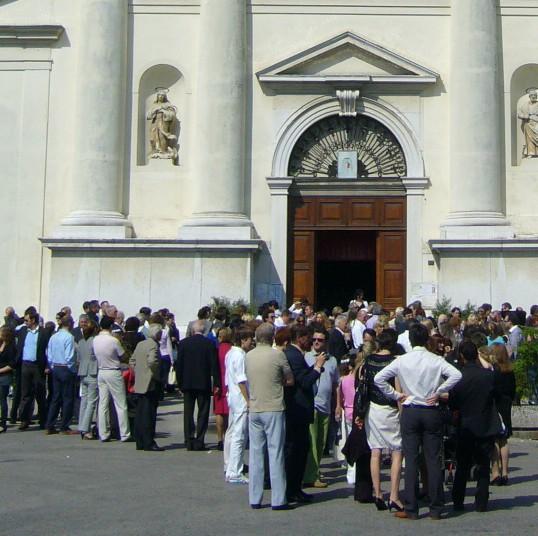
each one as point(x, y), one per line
point(196, 367)
point(299, 400)
point(338, 345)
point(32, 341)
point(479, 424)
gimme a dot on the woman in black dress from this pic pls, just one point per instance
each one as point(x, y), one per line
point(505, 383)
point(8, 358)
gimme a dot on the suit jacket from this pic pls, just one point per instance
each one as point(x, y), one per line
point(300, 397)
point(42, 341)
point(474, 397)
point(87, 362)
point(197, 364)
point(337, 345)
point(145, 360)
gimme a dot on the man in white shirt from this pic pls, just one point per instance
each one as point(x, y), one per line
point(515, 335)
point(357, 328)
point(237, 396)
point(421, 375)
point(108, 352)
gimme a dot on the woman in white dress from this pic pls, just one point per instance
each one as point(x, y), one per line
point(382, 423)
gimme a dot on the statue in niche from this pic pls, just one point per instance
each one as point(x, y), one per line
point(163, 117)
point(527, 111)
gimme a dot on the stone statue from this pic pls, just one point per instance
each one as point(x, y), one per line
point(527, 111)
point(163, 117)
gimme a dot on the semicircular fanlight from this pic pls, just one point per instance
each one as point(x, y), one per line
point(378, 152)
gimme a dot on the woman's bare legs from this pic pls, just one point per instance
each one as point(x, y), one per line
point(395, 474)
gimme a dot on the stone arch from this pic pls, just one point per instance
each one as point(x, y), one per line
point(524, 77)
point(160, 75)
point(323, 107)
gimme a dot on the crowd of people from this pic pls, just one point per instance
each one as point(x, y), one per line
point(366, 386)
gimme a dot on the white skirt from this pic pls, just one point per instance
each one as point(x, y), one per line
point(383, 427)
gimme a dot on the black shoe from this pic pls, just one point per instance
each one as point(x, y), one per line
point(24, 426)
point(220, 445)
point(283, 507)
point(154, 448)
point(395, 506)
point(497, 481)
point(435, 516)
point(3, 428)
point(504, 481)
point(380, 504)
point(458, 508)
point(301, 498)
point(481, 508)
point(255, 506)
point(12, 420)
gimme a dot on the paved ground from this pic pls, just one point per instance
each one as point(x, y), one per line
point(58, 485)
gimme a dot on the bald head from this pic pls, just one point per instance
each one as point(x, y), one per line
point(198, 327)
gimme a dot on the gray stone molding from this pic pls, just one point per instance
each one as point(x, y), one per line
point(142, 245)
point(516, 245)
point(322, 107)
point(412, 72)
point(25, 35)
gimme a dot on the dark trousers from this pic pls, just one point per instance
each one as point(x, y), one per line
point(296, 450)
point(423, 426)
point(16, 400)
point(195, 439)
point(363, 479)
point(63, 397)
point(146, 419)
point(33, 386)
point(472, 450)
point(4, 392)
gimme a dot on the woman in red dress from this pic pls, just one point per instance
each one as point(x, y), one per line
point(220, 404)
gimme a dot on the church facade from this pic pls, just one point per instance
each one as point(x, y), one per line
point(163, 152)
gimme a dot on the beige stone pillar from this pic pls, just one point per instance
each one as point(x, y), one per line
point(101, 90)
point(219, 160)
point(476, 111)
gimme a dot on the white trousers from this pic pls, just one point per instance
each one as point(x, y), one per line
point(234, 444)
point(110, 383)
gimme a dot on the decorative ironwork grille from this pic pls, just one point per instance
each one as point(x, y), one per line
point(378, 152)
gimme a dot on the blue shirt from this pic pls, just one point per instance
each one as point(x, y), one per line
point(29, 352)
point(61, 350)
point(327, 383)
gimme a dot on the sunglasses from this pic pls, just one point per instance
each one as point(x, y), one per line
point(318, 339)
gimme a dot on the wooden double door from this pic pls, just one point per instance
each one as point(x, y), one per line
point(329, 232)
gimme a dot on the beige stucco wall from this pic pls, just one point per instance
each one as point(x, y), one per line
point(37, 133)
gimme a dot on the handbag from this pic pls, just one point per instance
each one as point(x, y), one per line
point(361, 401)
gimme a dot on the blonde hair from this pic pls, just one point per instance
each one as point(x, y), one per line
point(225, 335)
point(487, 353)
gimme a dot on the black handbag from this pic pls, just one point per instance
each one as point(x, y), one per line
point(361, 400)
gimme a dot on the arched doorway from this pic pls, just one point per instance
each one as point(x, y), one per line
point(346, 234)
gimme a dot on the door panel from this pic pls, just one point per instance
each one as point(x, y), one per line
point(391, 268)
point(304, 265)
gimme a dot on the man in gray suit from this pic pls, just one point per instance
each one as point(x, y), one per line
point(145, 361)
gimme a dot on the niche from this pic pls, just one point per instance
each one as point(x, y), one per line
point(158, 76)
point(524, 77)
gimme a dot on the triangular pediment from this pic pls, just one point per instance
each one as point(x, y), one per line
point(347, 58)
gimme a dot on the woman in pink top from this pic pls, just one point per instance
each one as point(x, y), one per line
point(344, 404)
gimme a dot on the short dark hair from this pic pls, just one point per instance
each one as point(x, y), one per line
point(387, 339)
point(469, 351)
point(204, 312)
point(145, 311)
point(32, 315)
point(242, 334)
point(298, 331)
point(86, 305)
point(132, 324)
point(30, 310)
point(319, 328)
point(513, 317)
point(106, 322)
point(418, 335)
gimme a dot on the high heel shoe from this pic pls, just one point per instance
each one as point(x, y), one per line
point(396, 506)
point(380, 504)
